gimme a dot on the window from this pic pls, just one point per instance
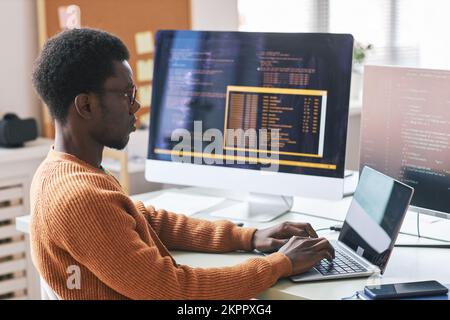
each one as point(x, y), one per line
point(402, 32)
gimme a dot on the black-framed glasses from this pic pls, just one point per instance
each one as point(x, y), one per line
point(130, 95)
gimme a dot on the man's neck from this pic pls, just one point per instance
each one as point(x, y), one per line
point(79, 146)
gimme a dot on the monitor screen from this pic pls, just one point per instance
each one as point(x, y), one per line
point(405, 130)
point(217, 84)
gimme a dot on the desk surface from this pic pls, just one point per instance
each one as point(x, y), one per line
point(405, 264)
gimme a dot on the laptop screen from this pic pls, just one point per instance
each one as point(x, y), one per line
point(375, 216)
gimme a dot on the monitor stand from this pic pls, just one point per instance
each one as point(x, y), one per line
point(258, 207)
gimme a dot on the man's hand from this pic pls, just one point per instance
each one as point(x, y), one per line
point(305, 253)
point(273, 238)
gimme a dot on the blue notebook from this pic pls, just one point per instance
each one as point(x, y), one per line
point(361, 296)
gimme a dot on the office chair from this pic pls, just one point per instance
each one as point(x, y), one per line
point(47, 293)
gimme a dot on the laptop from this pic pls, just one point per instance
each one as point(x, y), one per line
point(369, 231)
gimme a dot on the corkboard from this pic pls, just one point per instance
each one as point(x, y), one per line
point(124, 18)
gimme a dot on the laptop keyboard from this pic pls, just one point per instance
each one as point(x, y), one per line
point(342, 264)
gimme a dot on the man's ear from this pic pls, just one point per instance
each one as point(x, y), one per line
point(83, 107)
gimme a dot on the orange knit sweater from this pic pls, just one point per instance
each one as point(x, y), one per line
point(82, 220)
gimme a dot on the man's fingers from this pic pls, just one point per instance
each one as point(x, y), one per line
point(307, 227)
point(323, 244)
point(311, 231)
point(298, 229)
point(324, 254)
point(319, 245)
point(316, 244)
point(290, 231)
point(304, 242)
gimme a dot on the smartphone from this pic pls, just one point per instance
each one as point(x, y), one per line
point(405, 290)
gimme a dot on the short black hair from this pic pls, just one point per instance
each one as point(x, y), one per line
point(73, 62)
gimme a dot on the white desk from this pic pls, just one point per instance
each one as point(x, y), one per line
point(406, 264)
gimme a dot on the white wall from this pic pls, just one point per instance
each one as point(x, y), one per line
point(19, 48)
point(215, 15)
point(353, 140)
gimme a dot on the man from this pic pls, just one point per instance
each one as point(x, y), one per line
point(82, 221)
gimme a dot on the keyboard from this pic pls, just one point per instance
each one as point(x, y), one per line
point(342, 264)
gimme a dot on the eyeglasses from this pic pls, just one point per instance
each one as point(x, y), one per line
point(130, 95)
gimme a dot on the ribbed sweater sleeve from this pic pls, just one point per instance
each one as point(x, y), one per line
point(101, 230)
point(179, 232)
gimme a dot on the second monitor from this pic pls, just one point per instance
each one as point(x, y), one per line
point(264, 113)
point(405, 131)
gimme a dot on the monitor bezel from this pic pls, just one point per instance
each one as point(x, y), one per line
point(245, 180)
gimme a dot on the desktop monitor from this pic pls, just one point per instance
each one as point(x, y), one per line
point(405, 131)
point(264, 113)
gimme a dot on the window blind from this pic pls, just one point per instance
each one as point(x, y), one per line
point(402, 32)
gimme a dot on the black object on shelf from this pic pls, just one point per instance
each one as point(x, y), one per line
point(14, 132)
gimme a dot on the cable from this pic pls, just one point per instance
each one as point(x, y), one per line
point(321, 229)
point(336, 227)
point(355, 296)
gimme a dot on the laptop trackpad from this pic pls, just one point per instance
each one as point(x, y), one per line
point(308, 275)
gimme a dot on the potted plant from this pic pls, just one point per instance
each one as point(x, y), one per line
point(360, 51)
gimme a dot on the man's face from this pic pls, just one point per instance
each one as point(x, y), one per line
point(117, 119)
